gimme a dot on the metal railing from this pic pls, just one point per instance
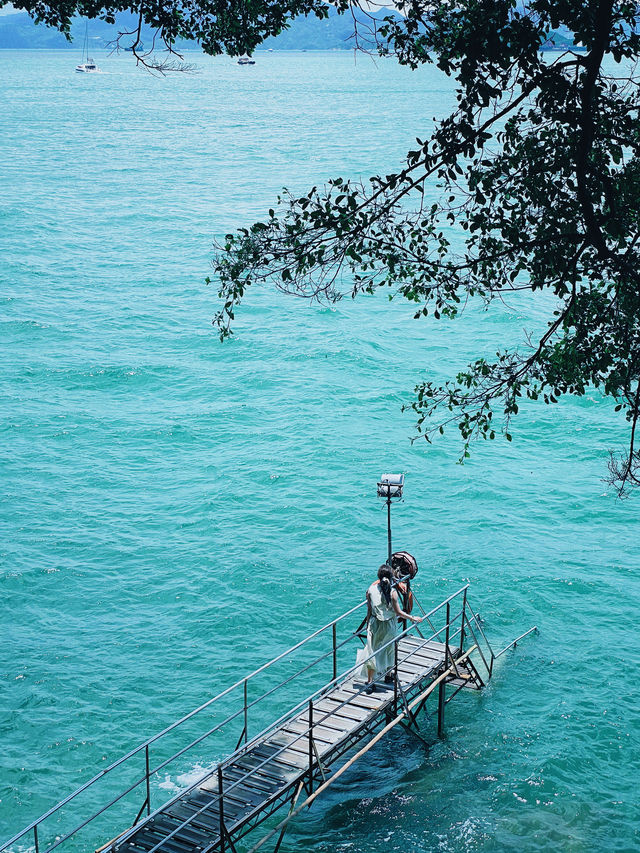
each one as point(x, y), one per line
point(453, 626)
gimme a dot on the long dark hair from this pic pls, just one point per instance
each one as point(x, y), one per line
point(384, 576)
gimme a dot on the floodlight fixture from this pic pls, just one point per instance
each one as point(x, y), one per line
point(390, 487)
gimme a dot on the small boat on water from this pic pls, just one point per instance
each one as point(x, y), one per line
point(245, 59)
point(87, 65)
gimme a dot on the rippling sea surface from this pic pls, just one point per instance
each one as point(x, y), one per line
point(176, 511)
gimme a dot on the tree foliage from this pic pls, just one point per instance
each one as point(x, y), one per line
point(537, 166)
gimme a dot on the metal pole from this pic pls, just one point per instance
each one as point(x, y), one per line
point(310, 746)
point(446, 635)
point(221, 808)
point(246, 714)
point(389, 522)
point(395, 679)
point(441, 703)
point(35, 838)
point(464, 608)
point(293, 805)
point(442, 686)
point(146, 761)
point(335, 653)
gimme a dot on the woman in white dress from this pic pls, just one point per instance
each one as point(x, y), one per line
point(383, 612)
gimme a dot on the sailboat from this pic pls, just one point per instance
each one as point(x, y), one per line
point(87, 65)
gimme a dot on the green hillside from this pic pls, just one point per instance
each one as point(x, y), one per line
point(17, 31)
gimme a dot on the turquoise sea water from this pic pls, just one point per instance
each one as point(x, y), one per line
point(176, 511)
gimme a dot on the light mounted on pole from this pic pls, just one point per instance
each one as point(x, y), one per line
point(390, 488)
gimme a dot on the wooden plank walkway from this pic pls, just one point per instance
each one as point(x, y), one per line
point(264, 775)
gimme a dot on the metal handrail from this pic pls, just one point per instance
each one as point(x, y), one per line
point(273, 727)
point(243, 710)
point(175, 725)
point(476, 619)
point(514, 643)
point(262, 736)
point(487, 666)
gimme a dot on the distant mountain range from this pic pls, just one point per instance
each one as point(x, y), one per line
point(17, 31)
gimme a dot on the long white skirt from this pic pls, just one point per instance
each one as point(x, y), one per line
point(372, 657)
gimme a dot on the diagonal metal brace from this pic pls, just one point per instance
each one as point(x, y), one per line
point(230, 840)
point(405, 704)
point(294, 800)
point(449, 654)
point(323, 770)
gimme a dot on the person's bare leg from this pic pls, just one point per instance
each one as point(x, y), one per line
point(370, 676)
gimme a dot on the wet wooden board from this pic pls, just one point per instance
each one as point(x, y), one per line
point(321, 733)
point(265, 773)
point(414, 651)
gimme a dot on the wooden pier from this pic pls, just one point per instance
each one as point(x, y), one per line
point(296, 757)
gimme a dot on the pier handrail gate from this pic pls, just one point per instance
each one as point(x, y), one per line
point(451, 622)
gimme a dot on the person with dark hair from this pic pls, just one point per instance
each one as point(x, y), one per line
point(383, 611)
point(405, 568)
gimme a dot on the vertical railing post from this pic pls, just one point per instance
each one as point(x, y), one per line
point(246, 713)
point(446, 637)
point(221, 808)
point(442, 686)
point(310, 746)
point(146, 762)
point(441, 703)
point(335, 653)
point(395, 678)
point(35, 838)
point(464, 613)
